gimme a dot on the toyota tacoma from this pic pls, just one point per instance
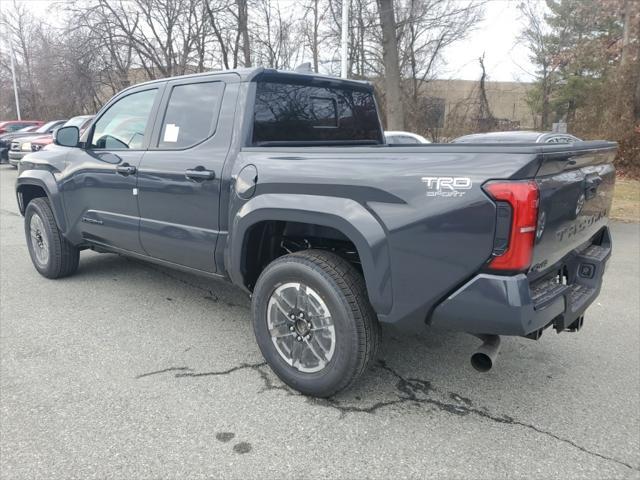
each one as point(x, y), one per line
point(281, 182)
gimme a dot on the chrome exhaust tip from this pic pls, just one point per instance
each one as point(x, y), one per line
point(485, 356)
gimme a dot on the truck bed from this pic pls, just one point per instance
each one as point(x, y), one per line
point(434, 239)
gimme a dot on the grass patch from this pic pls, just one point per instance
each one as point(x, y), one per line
point(626, 200)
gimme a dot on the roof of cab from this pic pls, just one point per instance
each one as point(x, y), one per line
point(253, 74)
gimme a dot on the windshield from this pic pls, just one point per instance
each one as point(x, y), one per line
point(76, 121)
point(47, 126)
point(26, 129)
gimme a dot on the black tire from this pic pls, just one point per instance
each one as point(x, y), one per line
point(62, 259)
point(342, 288)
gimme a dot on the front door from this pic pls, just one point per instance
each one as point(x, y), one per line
point(100, 191)
point(179, 176)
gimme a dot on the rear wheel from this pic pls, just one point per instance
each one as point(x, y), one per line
point(313, 322)
point(51, 253)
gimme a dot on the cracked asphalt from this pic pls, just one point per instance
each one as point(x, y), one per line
point(129, 370)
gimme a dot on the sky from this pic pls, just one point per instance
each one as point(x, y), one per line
point(496, 36)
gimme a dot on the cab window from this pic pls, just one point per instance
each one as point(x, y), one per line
point(191, 115)
point(124, 124)
point(288, 112)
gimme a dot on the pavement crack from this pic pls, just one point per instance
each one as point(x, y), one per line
point(165, 370)
point(269, 385)
point(242, 366)
point(344, 409)
point(413, 391)
point(411, 386)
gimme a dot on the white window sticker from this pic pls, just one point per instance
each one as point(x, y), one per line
point(171, 131)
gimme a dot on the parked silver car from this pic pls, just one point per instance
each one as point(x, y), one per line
point(404, 138)
point(524, 136)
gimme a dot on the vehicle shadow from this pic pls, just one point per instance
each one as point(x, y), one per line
point(424, 373)
point(410, 370)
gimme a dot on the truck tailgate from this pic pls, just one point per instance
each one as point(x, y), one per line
point(565, 236)
point(575, 195)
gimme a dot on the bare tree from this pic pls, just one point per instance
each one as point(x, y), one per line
point(425, 29)
point(485, 119)
point(107, 44)
point(163, 34)
point(631, 49)
point(24, 34)
point(536, 36)
point(243, 30)
point(277, 40)
point(215, 16)
point(392, 81)
point(313, 18)
point(102, 41)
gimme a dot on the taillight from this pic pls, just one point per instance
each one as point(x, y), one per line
point(516, 252)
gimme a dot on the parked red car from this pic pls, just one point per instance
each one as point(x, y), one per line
point(13, 125)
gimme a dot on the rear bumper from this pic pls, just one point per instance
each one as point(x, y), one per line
point(514, 305)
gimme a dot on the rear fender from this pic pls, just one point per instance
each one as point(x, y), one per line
point(345, 215)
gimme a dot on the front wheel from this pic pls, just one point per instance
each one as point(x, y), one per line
point(51, 253)
point(313, 322)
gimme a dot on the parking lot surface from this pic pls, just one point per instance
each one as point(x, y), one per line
point(130, 370)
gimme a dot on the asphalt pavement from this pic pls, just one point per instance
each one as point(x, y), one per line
point(130, 370)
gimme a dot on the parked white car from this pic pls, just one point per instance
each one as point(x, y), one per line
point(404, 138)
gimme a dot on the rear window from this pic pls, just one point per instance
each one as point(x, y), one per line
point(302, 113)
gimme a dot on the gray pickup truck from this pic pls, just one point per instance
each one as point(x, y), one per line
point(282, 183)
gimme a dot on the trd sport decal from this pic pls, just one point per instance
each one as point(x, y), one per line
point(447, 186)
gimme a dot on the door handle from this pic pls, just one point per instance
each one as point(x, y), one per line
point(199, 173)
point(125, 169)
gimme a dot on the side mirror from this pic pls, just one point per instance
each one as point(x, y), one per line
point(66, 136)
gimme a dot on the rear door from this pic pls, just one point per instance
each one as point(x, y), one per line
point(179, 177)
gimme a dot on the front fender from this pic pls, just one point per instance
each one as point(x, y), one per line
point(45, 180)
point(347, 216)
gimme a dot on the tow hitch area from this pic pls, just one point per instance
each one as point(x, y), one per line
point(576, 325)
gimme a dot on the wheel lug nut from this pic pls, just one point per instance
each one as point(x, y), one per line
point(299, 338)
point(291, 329)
